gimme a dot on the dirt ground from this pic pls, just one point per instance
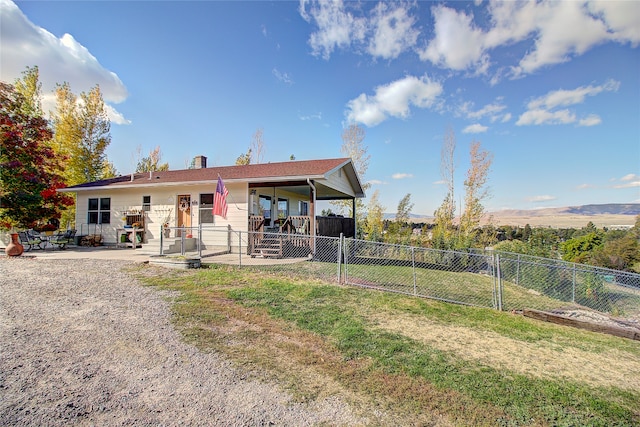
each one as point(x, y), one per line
point(82, 343)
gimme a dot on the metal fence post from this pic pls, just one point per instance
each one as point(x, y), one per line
point(494, 289)
point(161, 240)
point(573, 291)
point(239, 247)
point(413, 265)
point(200, 240)
point(339, 260)
point(499, 282)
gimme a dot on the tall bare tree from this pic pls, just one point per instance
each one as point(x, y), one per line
point(445, 214)
point(475, 190)
point(257, 147)
point(353, 147)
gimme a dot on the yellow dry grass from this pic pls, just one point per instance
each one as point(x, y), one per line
point(542, 359)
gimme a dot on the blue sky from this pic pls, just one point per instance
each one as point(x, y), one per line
point(551, 89)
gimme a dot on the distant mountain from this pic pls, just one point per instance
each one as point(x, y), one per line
point(608, 214)
point(604, 209)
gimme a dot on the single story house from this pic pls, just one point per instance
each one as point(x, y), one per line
point(262, 198)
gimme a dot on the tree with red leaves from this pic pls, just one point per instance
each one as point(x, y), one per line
point(30, 173)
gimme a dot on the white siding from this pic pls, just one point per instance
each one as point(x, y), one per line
point(163, 205)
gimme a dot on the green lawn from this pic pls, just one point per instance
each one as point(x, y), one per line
point(406, 360)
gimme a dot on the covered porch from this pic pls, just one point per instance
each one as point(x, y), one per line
point(283, 222)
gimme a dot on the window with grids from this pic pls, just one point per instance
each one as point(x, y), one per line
point(99, 211)
point(206, 208)
point(146, 203)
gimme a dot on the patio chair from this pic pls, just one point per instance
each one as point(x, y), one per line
point(63, 239)
point(29, 241)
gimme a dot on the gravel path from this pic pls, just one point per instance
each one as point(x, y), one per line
point(83, 343)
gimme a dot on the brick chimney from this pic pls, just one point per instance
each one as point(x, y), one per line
point(200, 162)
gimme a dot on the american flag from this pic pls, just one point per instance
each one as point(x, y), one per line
point(220, 200)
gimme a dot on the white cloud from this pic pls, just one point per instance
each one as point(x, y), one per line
point(590, 120)
point(544, 117)
point(551, 26)
point(317, 116)
point(621, 19)
point(475, 128)
point(542, 198)
point(563, 98)
point(401, 176)
point(393, 31)
point(393, 99)
point(540, 110)
point(337, 28)
point(283, 77)
point(457, 44)
point(64, 59)
point(493, 111)
point(631, 184)
point(630, 180)
point(584, 186)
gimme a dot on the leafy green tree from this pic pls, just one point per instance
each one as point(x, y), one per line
point(31, 90)
point(543, 242)
point(403, 214)
point(513, 246)
point(399, 230)
point(81, 133)
point(109, 170)
point(95, 129)
point(620, 251)
point(580, 248)
point(151, 163)
point(373, 226)
point(244, 159)
point(29, 171)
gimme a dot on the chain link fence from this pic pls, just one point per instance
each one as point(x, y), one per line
point(500, 280)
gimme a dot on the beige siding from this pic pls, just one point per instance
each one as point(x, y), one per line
point(339, 181)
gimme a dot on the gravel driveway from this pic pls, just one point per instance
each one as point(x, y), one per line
point(83, 343)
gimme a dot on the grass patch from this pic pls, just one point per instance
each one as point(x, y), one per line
point(375, 350)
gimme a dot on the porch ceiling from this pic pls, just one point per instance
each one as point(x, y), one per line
point(323, 192)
